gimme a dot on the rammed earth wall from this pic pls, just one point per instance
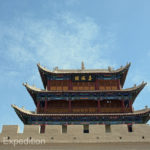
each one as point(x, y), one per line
point(75, 134)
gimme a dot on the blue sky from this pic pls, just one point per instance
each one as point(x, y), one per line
point(63, 33)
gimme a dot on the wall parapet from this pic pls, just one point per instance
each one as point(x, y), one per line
point(79, 133)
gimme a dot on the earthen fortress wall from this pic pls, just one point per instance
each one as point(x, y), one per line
point(74, 134)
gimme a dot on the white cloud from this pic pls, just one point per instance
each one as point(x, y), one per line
point(64, 41)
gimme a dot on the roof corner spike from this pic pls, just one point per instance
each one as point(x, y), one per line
point(129, 64)
point(12, 105)
point(82, 66)
point(56, 68)
point(24, 84)
point(109, 69)
point(144, 82)
point(38, 64)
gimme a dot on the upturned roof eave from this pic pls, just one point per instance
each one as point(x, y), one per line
point(27, 112)
point(124, 75)
point(37, 90)
point(33, 91)
point(69, 71)
point(101, 71)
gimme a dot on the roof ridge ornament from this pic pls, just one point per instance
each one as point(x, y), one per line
point(56, 68)
point(82, 66)
point(25, 84)
point(109, 68)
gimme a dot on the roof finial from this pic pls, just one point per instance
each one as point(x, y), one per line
point(109, 69)
point(146, 107)
point(82, 65)
point(56, 68)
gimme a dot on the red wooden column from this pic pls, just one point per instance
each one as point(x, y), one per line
point(98, 105)
point(96, 85)
point(88, 84)
point(78, 84)
point(38, 106)
point(118, 84)
point(70, 85)
point(56, 84)
point(48, 84)
point(123, 108)
point(62, 84)
point(130, 105)
point(70, 106)
point(45, 108)
point(110, 84)
point(105, 84)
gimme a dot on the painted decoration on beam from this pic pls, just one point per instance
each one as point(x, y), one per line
point(83, 77)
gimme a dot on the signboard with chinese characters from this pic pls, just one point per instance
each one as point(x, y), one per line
point(83, 77)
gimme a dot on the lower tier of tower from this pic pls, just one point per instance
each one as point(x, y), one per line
point(137, 117)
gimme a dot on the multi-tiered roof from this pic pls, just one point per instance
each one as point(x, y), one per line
point(83, 97)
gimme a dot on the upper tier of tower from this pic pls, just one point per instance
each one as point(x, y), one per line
point(83, 79)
